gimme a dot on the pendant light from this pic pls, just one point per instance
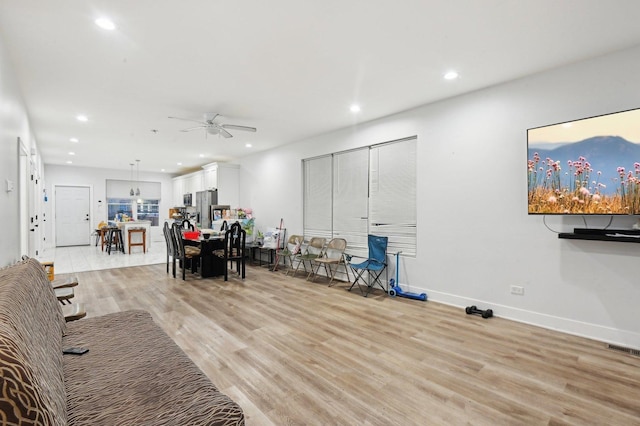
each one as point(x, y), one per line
point(131, 193)
point(138, 179)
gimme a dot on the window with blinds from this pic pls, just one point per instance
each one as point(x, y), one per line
point(370, 190)
point(120, 202)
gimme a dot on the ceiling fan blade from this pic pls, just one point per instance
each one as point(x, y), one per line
point(194, 128)
point(188, 119)
point(224, 133)
point(210, 116)
point(234, 127)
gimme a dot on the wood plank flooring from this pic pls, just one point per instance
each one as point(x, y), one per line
point(293, 352)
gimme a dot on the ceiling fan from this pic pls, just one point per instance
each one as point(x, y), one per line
point(213, 128)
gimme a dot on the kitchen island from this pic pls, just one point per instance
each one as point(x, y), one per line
point(135, 237)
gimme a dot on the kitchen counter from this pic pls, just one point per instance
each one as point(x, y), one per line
point(125, 226)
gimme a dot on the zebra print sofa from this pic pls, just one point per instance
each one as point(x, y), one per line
point(133, 374)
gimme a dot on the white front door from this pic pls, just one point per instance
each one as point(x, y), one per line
point(73, 221)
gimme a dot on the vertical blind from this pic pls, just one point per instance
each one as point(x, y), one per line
point(318, 208)
point(351, 197)
point(365, 191)
point(393, 195)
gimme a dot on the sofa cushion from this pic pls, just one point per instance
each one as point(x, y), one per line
point(135, 374)
point(31, 327)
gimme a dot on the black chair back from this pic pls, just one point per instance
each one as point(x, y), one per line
point(171, 250)
point(187, 259)
point(234, 249)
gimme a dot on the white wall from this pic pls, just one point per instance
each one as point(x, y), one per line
point(96, 180)
point(475, 238)
point(14, 124)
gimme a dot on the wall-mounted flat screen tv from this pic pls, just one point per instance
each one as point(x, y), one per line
point(589, 166)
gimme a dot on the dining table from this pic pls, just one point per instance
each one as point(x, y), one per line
point(211, 265)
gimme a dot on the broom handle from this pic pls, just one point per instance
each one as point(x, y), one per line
point(275, 266)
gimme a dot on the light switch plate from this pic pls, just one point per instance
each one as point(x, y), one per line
point(9, 185)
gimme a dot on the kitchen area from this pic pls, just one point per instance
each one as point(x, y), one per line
point(199, 195)
point(108, 198)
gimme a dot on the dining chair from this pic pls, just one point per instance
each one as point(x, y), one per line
point(171, 250)
point(186, 224)
point(234, 250)
point(187, 255)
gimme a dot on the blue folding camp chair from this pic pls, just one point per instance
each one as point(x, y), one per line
point(374, 266)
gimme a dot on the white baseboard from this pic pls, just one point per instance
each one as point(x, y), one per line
point(597, 332)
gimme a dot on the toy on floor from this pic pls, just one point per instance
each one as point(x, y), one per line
point(394, 287)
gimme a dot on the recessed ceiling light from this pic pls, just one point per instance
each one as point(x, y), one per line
point(82, 117)
point(72, 153)
point(69, 162)
point(179, 164)
point(105, 24)
point(201, 155)
point(162, 170)
point(75, 140)
point(248, 145)
point(355, 108)
point(451, 75)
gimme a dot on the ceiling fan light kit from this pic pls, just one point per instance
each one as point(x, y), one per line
point(211, 127)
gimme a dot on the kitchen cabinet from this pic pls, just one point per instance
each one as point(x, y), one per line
point(186, 184)
point(178, 191)
point(225, 178)
point(221, 176)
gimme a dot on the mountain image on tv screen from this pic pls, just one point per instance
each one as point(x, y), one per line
point(587, 166)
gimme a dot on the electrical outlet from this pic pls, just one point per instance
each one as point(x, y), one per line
point(516, 289)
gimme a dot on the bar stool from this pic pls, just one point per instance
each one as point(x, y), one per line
point(114, 236)
point(101, 236)
point(143, 231)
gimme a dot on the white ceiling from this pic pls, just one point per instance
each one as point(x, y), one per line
point(291, 68)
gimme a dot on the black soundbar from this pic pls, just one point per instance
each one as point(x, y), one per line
point(621, 235)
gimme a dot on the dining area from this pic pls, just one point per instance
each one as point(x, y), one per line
point(205, 253)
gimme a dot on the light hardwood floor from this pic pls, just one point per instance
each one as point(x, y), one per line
point(292, 352)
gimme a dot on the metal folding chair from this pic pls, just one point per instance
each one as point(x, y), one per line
point(373, 266)
point(314, 250)
point(290, 251)
point(333, 255)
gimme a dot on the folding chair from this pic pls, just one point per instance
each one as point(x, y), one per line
point(290, 251)
point(374, 266)
point(314, 250)
point(333, 255)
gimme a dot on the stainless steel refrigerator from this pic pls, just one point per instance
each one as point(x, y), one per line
point(204, 201)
